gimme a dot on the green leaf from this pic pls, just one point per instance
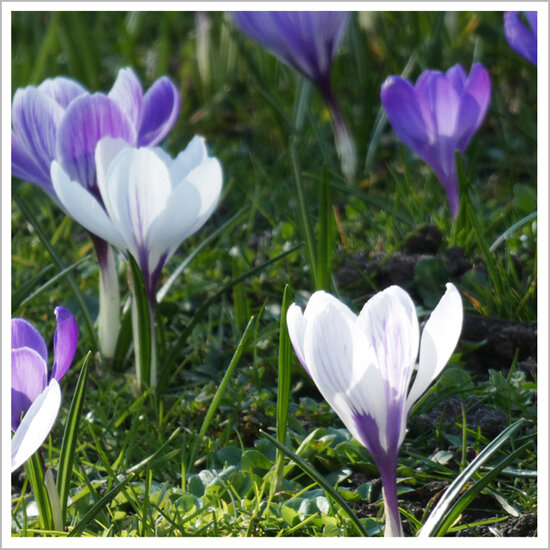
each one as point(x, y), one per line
point(444, 513)
point(253, 459)
point(70, 436)
point(33, 469)
point(318, 478)
point(143, 331)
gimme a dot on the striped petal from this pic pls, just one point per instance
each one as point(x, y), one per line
point(65, 340)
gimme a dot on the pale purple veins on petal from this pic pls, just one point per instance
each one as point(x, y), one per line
point(62, 89)
point(65, 340)
point(128, 95)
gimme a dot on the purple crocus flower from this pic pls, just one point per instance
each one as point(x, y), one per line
point(439, 115)
point(59, 120)
point(306, 41)
point(363, 365)
point(522, 38)
point(36, 396)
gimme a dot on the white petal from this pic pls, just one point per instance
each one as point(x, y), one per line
point(207, 179)
point(83, 206)
point(137, 191)
point(390, 324)
point(191, 157)
point(320, 300)
point(296, 325)
point(36, 425)
point(439, 339)
point(106, 151)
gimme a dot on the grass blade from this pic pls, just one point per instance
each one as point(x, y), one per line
point(283, 393)
point(325, 241)
point(70, 435)
point(219, 393)
point(35, 473)
point(21, 294)
point(438, 517)
point(98, 506)
point(318, 478)
point(78, 295)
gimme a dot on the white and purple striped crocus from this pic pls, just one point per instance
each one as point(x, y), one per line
point(521, 37)
point(363, 365)
point(60, 120)
point(36, 396)
point(439, 115)
point(308, 42)
point(147, 202)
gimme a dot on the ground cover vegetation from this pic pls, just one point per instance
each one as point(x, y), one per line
point(234, 438)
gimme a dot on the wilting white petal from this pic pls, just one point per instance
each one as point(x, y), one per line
point(83, 206)
point(439, 339)
point(36, 425)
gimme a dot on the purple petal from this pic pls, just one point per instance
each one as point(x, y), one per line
point(161, 105)
point(532, 20)
point(88, 119)
point(478, 86)
point(456, 75)
point(306, 41)
point(65, 340)
point(29, 376)
point(24, 335)
point(521, 39)
point(128, 95)
point(36, 118)
point(63, 90)
point(408, 113)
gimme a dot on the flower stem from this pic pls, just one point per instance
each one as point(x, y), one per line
point(391, 509)
point(109, 299)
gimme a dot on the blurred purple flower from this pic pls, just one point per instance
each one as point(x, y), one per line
point(363, 365)
point(33, 399)
point(439, 115)
point(522, 38)
point(59, 120)
point(307, 41)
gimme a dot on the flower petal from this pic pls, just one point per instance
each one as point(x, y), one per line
point(478, 86)
point(24, 335)
point(161, 105)
point(83, 207)
point(439, 339)
point(88, 119)
point(36, 118)
point(188, 159)
point(296, 325)
point(65, 340)
point(29, 376)
point(62, 89)
point(408, 113)
point(36, 425)
point(128, 95)
point(521, 39)
point(456, 75)
point(389, 322)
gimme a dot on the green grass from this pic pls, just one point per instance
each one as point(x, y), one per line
point(138, 468)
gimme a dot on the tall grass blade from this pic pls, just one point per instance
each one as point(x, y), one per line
point(35, 473)
point(70, 436)
point(444, 508)
point(325, 237)
point(283, 390)
point(318, 478)
point(219, 393)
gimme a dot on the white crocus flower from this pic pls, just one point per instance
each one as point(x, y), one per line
point(363, 365)
point(152, 202)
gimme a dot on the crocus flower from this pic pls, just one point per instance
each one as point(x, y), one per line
point(363, 365)
point(59, 120)
point(306, 41)
point(35, 401)
point(439, 115)
point(148, 203)
point(522, 38)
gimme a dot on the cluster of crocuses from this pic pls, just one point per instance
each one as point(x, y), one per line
point(95, 155)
